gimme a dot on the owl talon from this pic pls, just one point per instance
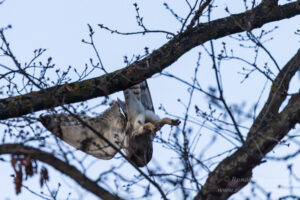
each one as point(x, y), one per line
point(175, 122)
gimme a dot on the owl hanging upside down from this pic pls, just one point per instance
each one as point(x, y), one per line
point(129, 125)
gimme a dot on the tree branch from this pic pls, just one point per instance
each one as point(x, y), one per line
point(198, 13)
point(145, 68)
point(269, 3)
point(61, 166)
point(277, 94)
point(234, 172)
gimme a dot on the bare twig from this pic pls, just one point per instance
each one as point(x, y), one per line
point(198, 13)
point(217, 75)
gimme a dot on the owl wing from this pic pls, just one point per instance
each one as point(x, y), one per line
point(142, 93)
point(111, 124)
point(146, 98)
point(139, 148)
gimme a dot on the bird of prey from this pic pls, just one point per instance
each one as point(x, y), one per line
point(129, 125)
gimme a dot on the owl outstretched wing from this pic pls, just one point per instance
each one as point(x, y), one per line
point(111, 124)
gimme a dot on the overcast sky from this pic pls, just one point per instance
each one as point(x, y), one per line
point(59, 26)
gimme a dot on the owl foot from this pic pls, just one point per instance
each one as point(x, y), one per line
point(175, 122)
point(164, 121)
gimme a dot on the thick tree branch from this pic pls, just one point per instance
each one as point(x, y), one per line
point(277, 94)
point(145, 68)
point(72, 172)
point(269, 3)
point(234, 172)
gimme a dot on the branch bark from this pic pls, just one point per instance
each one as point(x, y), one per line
point(145, 68)
point(234, 172)
point(269, 2)
point(59, 165)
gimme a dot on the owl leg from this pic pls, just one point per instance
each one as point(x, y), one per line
point(154, 119)
point(143, 129)
point(149, 126)
point(163, 121)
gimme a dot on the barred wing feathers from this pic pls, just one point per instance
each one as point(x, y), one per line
point(111, 124)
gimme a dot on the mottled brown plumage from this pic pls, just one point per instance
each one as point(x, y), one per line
point(111, 124)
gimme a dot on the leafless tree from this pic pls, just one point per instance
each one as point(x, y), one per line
point(38, 86)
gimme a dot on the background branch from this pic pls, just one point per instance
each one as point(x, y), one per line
point(234, 172)
point(66, 168)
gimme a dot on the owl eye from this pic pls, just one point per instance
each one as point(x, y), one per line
point(139, 122)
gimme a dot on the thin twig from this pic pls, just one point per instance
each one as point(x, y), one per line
point(198, 13)
point(221, 90)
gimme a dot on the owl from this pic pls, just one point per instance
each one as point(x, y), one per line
point(129, 125)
